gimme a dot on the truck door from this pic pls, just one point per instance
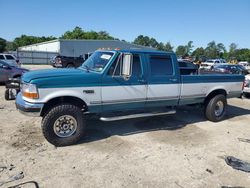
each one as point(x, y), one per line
point(163, 81)
point(120, 94)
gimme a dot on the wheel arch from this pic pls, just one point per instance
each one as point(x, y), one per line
point(64, 99)
point(214, 93)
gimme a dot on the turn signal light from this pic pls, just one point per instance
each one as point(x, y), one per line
point(30, 95)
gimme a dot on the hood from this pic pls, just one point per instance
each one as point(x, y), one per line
point(58, 78)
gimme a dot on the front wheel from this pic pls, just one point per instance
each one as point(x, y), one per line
point(215, 109)
point(63, 125)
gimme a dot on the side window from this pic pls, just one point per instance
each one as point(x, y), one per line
point(182, 64)
point(9, 57)
point(1, 57)
point(136, 67)
point(161, 65)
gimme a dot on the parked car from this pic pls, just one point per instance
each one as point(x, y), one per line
point(117, 85)
point(67, 62)
point(11, 59)
point(187, 67)
point(230, 69)
point(246, 90)
point(211, 63)
point(7, 70)
point(244, 63)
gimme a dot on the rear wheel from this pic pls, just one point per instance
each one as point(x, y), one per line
point(215, 108)
point(63, 125)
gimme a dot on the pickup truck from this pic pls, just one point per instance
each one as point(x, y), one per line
point(66, 62)
point(119, 84)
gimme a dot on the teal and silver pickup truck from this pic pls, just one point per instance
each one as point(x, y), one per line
point(116, 85)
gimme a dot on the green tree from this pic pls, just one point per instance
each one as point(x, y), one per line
point(168, 47)
point(2, 45)
point(181, 51)
point(211, 50)
point(25, 40)
point(232, 51)
point(79, 33)
point(189, 47)
point(199, 54)
point(142, 40)
point(221, 50)
point(242, 54)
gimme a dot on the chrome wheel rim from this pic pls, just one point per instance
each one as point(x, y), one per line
point(219, 108)
point(65, 126)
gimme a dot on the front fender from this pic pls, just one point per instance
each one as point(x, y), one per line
point(46, 94)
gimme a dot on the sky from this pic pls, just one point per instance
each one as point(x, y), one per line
point(174, 21)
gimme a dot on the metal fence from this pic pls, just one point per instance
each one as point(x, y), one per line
point(35, 57)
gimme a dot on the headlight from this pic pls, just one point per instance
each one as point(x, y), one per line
point(29, 91)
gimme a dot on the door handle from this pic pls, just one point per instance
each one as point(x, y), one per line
point(142, 81)
point(173, 79)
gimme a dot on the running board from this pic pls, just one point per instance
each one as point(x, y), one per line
point(132, 116)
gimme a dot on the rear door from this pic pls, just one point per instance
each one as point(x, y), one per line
point(119, 94)
point(163, 81)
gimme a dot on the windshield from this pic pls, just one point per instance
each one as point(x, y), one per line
point(97, 61)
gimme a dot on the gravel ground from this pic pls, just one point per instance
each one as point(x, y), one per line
point(182, 150)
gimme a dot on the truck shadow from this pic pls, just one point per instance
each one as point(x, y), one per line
point(185, 116)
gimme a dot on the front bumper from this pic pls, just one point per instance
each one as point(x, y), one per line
point(26, 108)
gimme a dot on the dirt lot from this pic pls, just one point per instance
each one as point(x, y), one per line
point(183, 150)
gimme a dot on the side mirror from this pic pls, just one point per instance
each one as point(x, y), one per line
point(127, 60)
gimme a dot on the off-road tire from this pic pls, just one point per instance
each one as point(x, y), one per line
point(53, 114)
point(210, 108)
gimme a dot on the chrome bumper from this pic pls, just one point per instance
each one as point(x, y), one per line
point(26, 108)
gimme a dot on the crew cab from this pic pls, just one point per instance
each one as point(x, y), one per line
point(119, 84)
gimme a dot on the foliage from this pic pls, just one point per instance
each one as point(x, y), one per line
point(184, 50)
point(212, 50)
point(79, 33)
point(2, 45)
point(181, 51)
point(199, 54)
point(153, 43)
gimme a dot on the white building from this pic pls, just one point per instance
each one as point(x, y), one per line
point(43, 52)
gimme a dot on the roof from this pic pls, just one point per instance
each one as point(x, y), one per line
point(154, 51)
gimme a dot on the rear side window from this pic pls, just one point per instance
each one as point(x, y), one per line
point(1, 57)
point(182, 64)
point(161, 65)
point(9, 57)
